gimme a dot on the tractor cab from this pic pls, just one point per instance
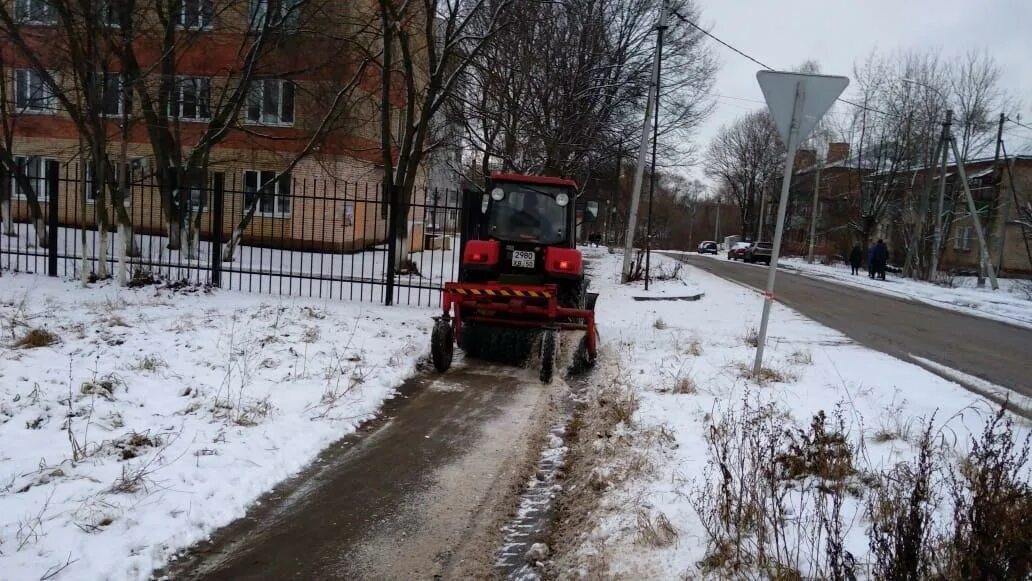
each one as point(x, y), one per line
point(521, 277)
point(523, 229)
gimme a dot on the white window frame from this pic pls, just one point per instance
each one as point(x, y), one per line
point(137, 167)
point(287, 17)
point(23, 79)
point(276, 196)
point(205, 14)
point(25, 9)
point(962, 242)
point(41, 185)
point(256, 102)
point(201, 85)
point(100, 81)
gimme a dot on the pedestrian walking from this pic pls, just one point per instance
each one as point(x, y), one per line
point(881, 258)
point(870, 261)
point(856, 258)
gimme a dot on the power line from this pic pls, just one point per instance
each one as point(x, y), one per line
point(768, 67)
point(1018, 123)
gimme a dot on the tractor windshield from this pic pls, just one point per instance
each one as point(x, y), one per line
point(529, 214)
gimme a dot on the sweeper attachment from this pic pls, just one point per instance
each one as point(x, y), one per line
point(521, 280)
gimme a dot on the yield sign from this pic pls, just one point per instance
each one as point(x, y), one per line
point(812, 94)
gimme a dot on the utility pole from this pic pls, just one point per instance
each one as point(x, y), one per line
point(632, 214)
point(933, 268)
point(813, 211)
point(1001, 200)
point(655, 140)
point(983, 248)
point(716, 225)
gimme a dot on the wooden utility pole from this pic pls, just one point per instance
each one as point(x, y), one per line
point(813, 211)
point(1000, 231)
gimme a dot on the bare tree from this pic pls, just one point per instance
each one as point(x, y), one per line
point(745, 158)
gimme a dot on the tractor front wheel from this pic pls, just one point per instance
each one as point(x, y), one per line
point(549, 348)
point(442, 345)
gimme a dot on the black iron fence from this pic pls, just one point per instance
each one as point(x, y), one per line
point(246, 231)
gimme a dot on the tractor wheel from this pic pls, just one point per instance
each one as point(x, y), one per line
point(549, 347)
point(442, 345)
point(583, 360)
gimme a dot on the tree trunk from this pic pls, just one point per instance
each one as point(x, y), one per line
point(5, 209)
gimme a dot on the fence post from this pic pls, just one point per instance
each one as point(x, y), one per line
point(53, 193)
point(218, 193)
point(392, 243)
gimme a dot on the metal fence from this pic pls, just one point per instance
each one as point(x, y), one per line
point(304, 237)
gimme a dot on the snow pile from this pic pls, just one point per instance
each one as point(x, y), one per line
point(689, 363)
point(142, 420)
point(1010, 304)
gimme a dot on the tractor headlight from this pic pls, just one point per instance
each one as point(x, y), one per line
point(497, 194)
point(562, 199)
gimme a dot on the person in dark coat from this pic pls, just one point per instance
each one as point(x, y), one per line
point(881, 258)
point(856, 258)
point(870, 262)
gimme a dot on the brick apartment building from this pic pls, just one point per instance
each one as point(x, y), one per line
point(997, 196)
point(302, 66)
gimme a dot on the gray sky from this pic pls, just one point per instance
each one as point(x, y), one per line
point(784, 33)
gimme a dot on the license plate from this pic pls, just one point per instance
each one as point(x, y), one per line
point(523, 259)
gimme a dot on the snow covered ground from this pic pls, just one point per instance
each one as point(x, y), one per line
point(687, 364)
point(159, 415)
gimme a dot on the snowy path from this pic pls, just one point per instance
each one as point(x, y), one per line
point(993, 351)
point(422, 493)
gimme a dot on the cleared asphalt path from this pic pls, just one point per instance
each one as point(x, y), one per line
point(420, 494)
point(993, 351)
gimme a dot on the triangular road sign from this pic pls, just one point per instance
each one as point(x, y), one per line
point(818, 94)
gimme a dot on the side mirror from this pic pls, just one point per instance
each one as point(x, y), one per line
point(591, 212)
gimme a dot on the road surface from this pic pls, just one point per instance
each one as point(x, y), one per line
point(996, 352)
point(420, 494)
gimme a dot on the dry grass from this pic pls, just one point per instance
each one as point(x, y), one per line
point(801, 357)
point(654, 531)
point(685, 385)
point(37, 337)
point(694, 348)
point(150, 363)
point(751, 338)
point(767, 375)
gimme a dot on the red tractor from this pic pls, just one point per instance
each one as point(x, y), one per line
point(521, 279)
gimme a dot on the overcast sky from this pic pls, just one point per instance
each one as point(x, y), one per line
point(784, 33)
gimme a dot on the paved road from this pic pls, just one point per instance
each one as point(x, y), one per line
point(421, 494)
point(994, 351)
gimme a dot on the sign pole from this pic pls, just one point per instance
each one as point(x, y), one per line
point(796, 102)
point(772, 269)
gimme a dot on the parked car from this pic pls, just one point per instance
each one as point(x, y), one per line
point(737, 251)
point(708, 247)
point(758, 252)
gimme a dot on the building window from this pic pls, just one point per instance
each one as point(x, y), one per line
point(281, 14)
point(963, 240)
point(271, 102)
point(196, 14)
point(272, 195)
point(34, 12)
point(31, 92)
point(138, 170)
point(109, 90)
point(35, 169)
point(191, 99)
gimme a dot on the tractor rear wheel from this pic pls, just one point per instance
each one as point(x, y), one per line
point(442, 345)
point(549, 348)
point(583, 360)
